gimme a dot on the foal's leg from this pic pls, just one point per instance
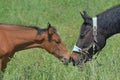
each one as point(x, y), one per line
point(1, 72)
point(5, 60)
point(0, 64)
point(2, 53)
point(4, 63)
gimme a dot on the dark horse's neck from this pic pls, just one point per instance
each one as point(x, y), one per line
point(109, 22)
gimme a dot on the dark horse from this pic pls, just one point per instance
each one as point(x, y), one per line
point(14, 38)
point(94, 33)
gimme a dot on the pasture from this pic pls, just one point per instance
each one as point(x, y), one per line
point(37, 64)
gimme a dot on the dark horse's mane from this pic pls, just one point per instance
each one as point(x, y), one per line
point(109, 20)
point(39, 30)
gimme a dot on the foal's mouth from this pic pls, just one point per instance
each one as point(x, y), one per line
point(64, 60)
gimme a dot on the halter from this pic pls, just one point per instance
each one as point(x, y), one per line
point(79, 50)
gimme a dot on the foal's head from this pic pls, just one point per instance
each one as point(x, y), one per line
point(86, 44)
point(52, 42)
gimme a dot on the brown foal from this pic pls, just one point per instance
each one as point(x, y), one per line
point(14, 38)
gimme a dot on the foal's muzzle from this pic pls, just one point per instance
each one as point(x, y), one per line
point(65, 60)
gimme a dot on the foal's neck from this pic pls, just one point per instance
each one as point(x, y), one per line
point(25, 39)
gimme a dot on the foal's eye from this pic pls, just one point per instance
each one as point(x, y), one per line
point(58, 41)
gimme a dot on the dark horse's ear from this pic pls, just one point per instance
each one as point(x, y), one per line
point(85, 16)
point(82, 15)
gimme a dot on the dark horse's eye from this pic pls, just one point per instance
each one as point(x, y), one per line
point(81, 36)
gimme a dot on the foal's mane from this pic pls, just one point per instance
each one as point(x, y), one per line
point(39, 30)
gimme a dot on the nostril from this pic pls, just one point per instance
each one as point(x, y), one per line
point(65, 60)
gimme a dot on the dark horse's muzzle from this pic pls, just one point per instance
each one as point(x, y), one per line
point(78, 59)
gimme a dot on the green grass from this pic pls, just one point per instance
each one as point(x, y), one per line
point(37, 64)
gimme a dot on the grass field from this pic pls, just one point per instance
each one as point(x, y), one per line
point(37, 64)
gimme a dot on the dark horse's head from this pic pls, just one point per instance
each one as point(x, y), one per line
point(90, 41)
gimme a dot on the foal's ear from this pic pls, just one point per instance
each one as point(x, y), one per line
point(50, 32)
point(50, 29)
point(49, 25)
